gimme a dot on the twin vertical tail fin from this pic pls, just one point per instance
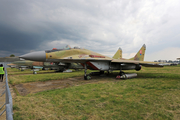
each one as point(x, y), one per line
point(118, 54)
point(140, 55)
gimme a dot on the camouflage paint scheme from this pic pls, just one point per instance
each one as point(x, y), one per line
point(100, 62)
point(118, 54)
point(140, 55)
point(93, 60)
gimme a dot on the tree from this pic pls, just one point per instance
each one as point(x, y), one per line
point(12, 55)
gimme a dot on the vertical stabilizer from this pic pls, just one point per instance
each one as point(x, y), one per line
point(140, 55)
point(118, 54)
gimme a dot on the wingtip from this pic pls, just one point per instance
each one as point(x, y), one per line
point(144, 46)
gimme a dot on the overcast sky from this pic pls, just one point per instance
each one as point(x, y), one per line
point(99, 25)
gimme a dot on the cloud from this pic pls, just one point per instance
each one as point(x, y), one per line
point(102, 26)
point(165, 54)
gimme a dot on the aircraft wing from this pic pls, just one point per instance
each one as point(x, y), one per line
point(119, 61)
point(150, 64)
point(143, 63)
point(82, 60)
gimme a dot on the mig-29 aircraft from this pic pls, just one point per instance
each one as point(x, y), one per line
point(92, 60)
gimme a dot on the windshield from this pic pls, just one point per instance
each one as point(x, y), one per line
point(67, 47)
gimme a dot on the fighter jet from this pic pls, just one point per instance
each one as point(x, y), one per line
point(92, 60)
point(42, 65)
point(12, 65)
point(34, 64)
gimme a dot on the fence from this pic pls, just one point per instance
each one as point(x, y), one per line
point(8, 102)
point(5, 64)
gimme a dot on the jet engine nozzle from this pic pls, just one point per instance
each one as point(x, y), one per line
point(138, 67)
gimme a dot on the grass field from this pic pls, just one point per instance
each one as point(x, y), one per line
point(42, 77)
point(154, 94)
point(14, 71)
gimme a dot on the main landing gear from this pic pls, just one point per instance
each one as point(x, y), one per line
point(34, 72)
point(121, 73)
point(86, 77)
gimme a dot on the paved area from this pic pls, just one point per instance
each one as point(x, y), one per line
point(2, 100)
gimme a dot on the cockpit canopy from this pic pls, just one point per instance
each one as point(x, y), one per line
point(67, 47)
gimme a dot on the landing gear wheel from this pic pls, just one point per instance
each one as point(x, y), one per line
point(87, 77)
point(59, 70)
point(101, 72)
point(121, 73)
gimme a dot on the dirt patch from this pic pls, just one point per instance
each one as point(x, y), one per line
point(34, 87)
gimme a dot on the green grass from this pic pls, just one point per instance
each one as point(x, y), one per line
point(23, 77)
point(14, 71)
point(42, 77)
point(154, 94)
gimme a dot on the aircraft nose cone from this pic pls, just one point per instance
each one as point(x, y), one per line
point(35, 56)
